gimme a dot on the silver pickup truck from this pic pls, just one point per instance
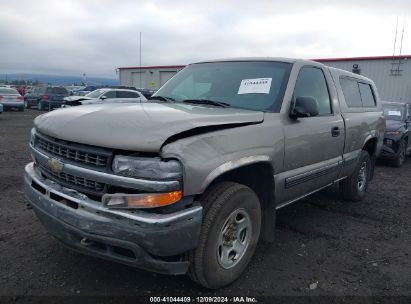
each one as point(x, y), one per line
point(190, 181)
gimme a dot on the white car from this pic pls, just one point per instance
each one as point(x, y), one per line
point(106, 95)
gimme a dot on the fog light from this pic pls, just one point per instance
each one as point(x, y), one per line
point(141, 201)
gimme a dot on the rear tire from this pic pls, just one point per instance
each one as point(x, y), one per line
point(229, 234)
point(401, 154)
point(354, 188)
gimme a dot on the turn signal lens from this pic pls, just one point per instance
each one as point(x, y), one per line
point(140, 201)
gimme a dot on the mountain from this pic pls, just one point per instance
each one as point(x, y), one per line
point(59, 80)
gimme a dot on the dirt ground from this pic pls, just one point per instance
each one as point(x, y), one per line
point(337, 248)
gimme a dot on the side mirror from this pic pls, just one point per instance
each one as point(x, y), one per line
point(103, 97)
point(304, 107)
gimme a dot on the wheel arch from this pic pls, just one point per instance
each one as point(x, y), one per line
point(258, 174)
point(370, 145)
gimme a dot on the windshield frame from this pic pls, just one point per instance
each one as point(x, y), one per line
point(277, 102)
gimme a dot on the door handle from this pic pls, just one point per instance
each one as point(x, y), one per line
point(335, 131)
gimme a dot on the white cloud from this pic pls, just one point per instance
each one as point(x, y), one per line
point(95, 37)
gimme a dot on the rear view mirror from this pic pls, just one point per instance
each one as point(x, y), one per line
point(304, 107)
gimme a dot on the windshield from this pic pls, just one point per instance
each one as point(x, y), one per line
point(243, 84)
point(392, 112)
point(96, 93)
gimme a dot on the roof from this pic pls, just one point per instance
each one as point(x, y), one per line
point(363, 58)
point(322, 60)
point(152, 67)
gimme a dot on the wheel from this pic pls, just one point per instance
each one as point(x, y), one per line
point(26, 104)
point(229, 234)
point(21, 109)
point(40, 106)
point(401, 154)
point(354, 188)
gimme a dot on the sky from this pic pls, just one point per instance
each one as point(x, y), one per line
point(97, 36)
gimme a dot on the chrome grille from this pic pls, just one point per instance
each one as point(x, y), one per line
point(79, 183)
point(74, 153)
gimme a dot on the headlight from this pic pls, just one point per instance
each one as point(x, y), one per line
point(143, 167)
point(393, 132)
point(32, 136)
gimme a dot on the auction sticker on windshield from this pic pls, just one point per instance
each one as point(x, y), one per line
point(256, 85)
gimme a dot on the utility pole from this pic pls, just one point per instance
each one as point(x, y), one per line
point(140, 63)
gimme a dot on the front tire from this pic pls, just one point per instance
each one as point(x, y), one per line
point(354, 188)
point(229, 234)
point(401, 154)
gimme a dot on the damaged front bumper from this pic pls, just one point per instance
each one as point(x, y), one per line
point(150, 241)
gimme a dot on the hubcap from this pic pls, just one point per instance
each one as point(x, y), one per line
point(234, 238)
point(362, 177)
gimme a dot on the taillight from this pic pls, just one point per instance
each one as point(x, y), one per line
point(21, 98)
point(45, 97)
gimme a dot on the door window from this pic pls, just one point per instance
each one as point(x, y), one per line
point(311, 83)
point(110, 94)
point(351, 92)
point(367, 96)
point(127, 94)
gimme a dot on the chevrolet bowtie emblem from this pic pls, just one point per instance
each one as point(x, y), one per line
point(55, 165)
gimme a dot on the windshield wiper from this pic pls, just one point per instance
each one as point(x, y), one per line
point(208, 102)
point(162, 98)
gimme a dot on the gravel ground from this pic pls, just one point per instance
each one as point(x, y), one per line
point(334, 247)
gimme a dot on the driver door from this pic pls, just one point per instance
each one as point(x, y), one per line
point(313, 145)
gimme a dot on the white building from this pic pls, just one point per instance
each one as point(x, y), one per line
point(391, 74)
point(148, 77)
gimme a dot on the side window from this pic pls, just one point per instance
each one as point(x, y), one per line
point(311, 83)
point(367, 96)
point(110, 94)
point(351, 92)
point(126, 94)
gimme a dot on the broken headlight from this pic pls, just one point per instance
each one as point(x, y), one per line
point(143, 167)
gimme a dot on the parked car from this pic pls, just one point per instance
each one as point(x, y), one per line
point(85, 90)
point(105, 96)
point(190, 181)
point(11, 99)
point(45, 97)
point(397, 141)
point(146, 92)
point(1, 108)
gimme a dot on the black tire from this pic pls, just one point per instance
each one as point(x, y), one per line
point(220, 202)
point(40, 106)
point(27, 104)
point(21, 109)
point(399, 160)
point(350, 187)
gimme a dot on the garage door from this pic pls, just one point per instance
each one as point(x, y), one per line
point(139, 79)
point(165, 75)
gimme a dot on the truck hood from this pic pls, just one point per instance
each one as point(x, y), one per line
point(141, 127)
point(393, 125)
